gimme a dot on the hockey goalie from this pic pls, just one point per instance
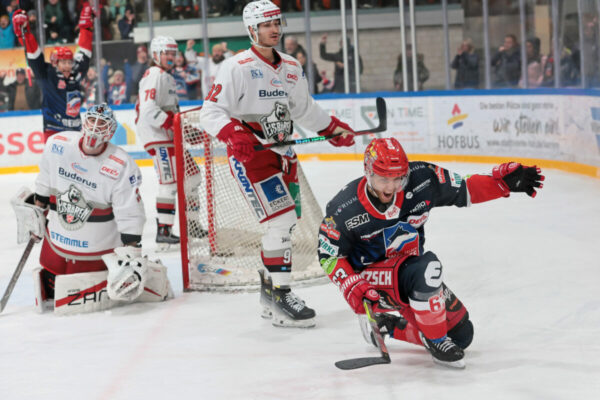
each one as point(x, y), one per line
point(88, 211)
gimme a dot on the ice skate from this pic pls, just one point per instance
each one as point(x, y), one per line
point(444, 352)
point(196, 231)
point(266, 294)
point(165, 240)
point(289, 310)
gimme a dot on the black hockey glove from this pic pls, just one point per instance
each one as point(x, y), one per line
point(519, 178)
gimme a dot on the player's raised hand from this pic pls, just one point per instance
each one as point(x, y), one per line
point(86, 18)
point(519, 178)
point(337, 126)
point(20, 24)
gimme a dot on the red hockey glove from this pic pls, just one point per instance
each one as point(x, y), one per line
point(353, 286)
point(20, 24)
point(240, 139)
point(519, 178)
point(336, 126)
point(168, 124)
point(86, 18)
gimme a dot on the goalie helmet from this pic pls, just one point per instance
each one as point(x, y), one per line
point(257, 12)
point(99, 125)
point(386, 157)
point(161, 44)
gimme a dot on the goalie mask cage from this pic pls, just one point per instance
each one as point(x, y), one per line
point(209, 198)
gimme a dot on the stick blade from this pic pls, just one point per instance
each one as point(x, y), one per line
point(355, 363)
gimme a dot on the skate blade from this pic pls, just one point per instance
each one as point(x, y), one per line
point(266, 313)
point(459, 364)
point(166, 247)
point(285, 322)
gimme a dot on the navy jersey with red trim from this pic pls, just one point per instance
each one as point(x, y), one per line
point(353, 228)
point(63, 97)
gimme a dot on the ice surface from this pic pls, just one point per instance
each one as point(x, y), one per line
point(527, 269)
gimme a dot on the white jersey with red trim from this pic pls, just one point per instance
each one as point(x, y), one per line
point(93, 199)
point(157, 95)
point(266, 96)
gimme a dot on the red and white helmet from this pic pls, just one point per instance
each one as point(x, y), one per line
point(257, 12)
point(99, 125)
point(62, 53)
point(386, 157)
point(160, 44)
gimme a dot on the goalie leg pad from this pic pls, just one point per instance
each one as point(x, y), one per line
point(44, 301)
point(157, 287)
point(30, 218)
point(81, 293)
point(277, 248)
point(165, 203)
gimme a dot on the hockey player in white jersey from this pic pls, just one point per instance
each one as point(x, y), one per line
point(254, 99)
point(89, 189)
point(156, 107)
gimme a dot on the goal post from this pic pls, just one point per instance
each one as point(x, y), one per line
point(209, 198)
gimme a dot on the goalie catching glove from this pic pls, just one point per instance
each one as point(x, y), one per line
point(127, 273)
point(31, 220)
point(519, 178)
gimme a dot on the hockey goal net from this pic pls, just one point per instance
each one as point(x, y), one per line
point(209, 198)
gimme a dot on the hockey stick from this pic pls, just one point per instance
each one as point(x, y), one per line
point(381, 114)
point(16, 274)
point(354, 363)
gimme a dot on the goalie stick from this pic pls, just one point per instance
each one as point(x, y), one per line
point(354, 363)
point(16, 274)
point(381, 114)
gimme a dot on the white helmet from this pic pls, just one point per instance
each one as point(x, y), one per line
point(99, 125)
point(160, 44)
point(257, 12)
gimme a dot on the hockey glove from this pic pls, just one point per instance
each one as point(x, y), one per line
point(20, 24)
point(337, 126)
point(127, 273)
point(86, 19)
point(168, 124)
point(239, 139)
point(519, 178)
point(353, 286)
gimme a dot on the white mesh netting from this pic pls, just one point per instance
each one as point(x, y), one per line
point(228, 258)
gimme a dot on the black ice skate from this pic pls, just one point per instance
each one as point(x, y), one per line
point(289, 310)
point(165, 240)
point(445, 352)
point(266, 294)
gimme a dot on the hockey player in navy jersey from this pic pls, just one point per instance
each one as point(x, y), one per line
point(60, 83)
point(371, 243)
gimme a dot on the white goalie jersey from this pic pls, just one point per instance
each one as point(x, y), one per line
point(157, 95)
point(93, 199)
point(266, 96)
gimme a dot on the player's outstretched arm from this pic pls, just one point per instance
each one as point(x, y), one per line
point(86, 30)
point(506, 178)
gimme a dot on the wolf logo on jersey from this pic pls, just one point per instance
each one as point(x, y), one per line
point(72, 209)
point(401, 238)
point(277, 125)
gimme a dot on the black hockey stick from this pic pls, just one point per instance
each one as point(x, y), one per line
point(354, 363)
point(16, 274)
point(381, 114)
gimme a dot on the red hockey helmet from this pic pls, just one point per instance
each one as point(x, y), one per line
point(63, 53)
point(386, 158)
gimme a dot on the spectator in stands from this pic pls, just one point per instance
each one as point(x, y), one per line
point(22, 93)
point(291, 45)
point(422, 71)
point(590, 50)
point(58, 28)
point(187, 78)
point(117, 7)
point(106, 19)
point(218, 54)
point(466, 64)
point(127, 23)
point(135, 71)
point(301, 57)
point(338, 60)
point(569, 74)
point(507, 63)
point(535, 74)
point(7, 36)
point(89, 85)
point(33, 23)
point(116, 86)
point(183, 9)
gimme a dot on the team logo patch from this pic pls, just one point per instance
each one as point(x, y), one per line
point(401, 238)
point(455, 179)
point(277, 125)
point(440, 174)
point(277, 197)
point(73, 103)
point(72, 209)
point(326, 247)
point(58, 149)
point(330, 228)
point(256, 74)
point(356, 221)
